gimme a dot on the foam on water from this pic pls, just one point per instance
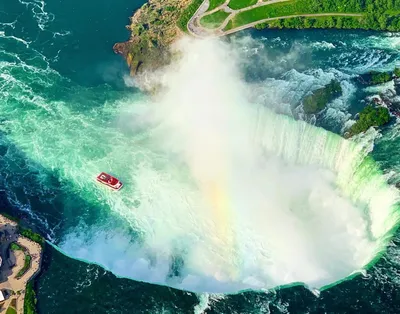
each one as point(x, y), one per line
point(39, 12)
point(324, 45)
point(220, 194)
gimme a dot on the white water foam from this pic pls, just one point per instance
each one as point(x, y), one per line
point(221, 194)
point(39, 12)
point(247, 199)
point(323, 45)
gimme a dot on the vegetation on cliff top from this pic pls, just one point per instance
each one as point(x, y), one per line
point(15, 247)
point(32, 235)
point(187, 14)
point(321, 97)
point(12, 218)
point(11, 310)
point(339, 22)
point(27, 265)
point(369, 116)
point(214, 4)
point(30, 299)
point(214, 20)
point(376, 14)
point(239, 4)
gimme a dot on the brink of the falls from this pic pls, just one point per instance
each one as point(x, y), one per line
point(220, 194)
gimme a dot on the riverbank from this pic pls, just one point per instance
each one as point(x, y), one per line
point(153, 27)
point(159, 23)
point(21, 261)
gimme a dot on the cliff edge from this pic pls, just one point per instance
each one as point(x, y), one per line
point(153, 29)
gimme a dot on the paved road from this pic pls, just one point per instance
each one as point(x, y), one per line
point(193, 25)
point(196, 30)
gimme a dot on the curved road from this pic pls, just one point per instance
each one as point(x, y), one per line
point(196, 30)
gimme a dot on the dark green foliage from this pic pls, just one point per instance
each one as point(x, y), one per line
point(27, 264)
point(340, 22)
point(379, 77)
point(32, 235)
point(370, 116)
point(396, 72)
point(321, 97)
point(187, 14)
point(30, 300)
point(10, 217)
point(15, 247)
point(261, 26)
point(376, 14)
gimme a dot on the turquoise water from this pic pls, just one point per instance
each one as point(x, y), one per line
point(62, 94)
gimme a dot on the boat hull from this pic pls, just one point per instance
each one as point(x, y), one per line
point(110, 181)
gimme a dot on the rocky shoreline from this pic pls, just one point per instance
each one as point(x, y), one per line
point(153, 29)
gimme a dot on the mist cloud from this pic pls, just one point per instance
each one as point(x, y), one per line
point(243, 197)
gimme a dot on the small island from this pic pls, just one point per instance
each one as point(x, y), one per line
point(20, 261)
point(377, 77)
point(319, 98)
point(370, 116)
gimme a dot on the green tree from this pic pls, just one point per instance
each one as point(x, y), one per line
point(368, 117)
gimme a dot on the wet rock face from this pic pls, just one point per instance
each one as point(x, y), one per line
point(140, 57)
point(397, 86)
point(119, 48)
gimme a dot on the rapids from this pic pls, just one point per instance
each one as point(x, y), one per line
point(221, 194)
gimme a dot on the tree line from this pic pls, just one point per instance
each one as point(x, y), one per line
point(377, 15)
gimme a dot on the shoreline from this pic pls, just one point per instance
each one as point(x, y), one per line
point(159, 23)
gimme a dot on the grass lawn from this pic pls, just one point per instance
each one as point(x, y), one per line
point(27, 264)
point(228, 26)
point(11, 310)
point(240, 4)
point(15, 247)
point(214, 20)
point(268, 11)
point(214, 4)
point(30, 299)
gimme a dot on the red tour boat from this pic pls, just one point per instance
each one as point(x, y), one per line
point(110, 181)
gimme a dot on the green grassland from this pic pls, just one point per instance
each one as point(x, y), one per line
point(240, 4)
point(214, 4)
point(214, 20)
point(11, 310)
point(30, 299)
point(375, 14)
